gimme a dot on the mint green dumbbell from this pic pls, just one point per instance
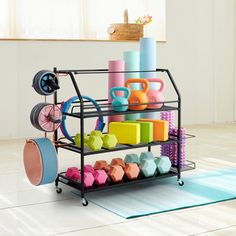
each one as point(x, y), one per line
point(148, 167)
point(163, 164)
point(132, 158)
point(146, 155)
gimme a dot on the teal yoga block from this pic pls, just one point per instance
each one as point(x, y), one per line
point(146, 130)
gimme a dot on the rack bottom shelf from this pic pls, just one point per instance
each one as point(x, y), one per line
point(77, 185)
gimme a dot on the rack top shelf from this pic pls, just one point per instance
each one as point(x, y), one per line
point(104, 71)
point(89, 110)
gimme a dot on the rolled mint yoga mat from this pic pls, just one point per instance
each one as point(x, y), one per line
point(132, 63)
point(115, 80)
point(148, 61)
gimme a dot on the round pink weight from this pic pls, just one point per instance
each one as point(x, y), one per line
point(43, 120)
point(33, 162)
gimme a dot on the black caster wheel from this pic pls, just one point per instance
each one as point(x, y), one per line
point(181, 182)
point(59, 190)
point(84, 202)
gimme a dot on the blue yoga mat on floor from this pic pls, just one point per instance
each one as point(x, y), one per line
point(163, 195)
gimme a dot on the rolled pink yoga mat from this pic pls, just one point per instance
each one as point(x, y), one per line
point(116, 80)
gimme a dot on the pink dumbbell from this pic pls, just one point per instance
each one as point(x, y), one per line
point(74, 173)
point(100, 176)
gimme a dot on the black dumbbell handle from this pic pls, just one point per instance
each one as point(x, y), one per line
point(52, 84)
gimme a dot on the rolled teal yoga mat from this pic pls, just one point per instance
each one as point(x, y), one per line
point(164, 195)
point(132, 63)
point(148, 61)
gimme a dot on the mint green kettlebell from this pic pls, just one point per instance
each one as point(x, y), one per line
point(120, 103)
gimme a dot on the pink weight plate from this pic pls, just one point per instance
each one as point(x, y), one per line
point(43, 119)
point(33, 162)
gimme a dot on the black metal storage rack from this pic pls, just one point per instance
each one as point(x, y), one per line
point(88, 111)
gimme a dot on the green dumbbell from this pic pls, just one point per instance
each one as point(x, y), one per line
point(92, 141)
point(77, 140)
point(109, 141)
point(95, 142)
point(96, 133)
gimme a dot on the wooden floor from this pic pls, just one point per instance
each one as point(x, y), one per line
point(29, 210)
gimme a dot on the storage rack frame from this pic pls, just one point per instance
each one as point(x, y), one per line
point(85, 112)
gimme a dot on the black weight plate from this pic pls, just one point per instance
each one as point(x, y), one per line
point(32, 114)
point(37, 112)
point(34, 84)
point(39, 82)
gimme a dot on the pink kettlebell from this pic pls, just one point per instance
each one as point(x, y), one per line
point(156, 95)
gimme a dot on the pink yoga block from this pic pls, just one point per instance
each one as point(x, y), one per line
point(116, 80)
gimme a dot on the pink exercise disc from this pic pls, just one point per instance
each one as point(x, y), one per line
point(44, 121)
point(33, 162)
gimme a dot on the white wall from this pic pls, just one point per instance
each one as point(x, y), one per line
point(199, 52)
point(234, 61)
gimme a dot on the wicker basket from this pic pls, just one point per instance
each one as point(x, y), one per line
point(125, 31)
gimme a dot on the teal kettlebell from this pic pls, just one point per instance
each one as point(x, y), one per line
point(119, 102)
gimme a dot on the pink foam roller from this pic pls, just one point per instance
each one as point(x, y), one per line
point(116, 80)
